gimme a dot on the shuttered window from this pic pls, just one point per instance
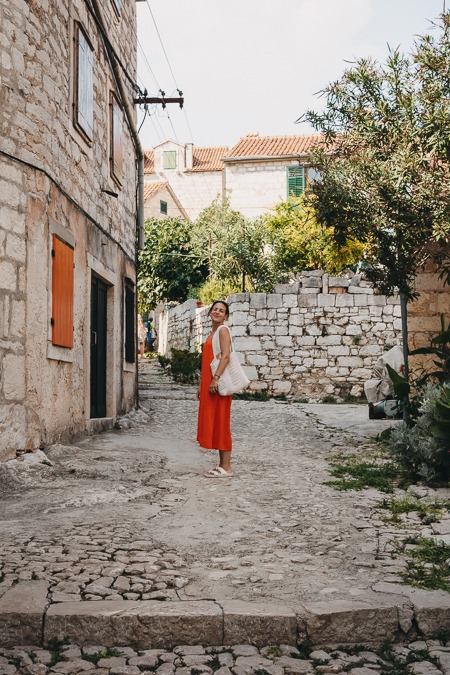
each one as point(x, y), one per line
point(169, 159)
point(130, 335)
point(295, 180)
point(62, 293)
point(116, 139)
point(84, 90)
point(163, 206)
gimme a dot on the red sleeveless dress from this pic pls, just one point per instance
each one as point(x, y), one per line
point(213, 429)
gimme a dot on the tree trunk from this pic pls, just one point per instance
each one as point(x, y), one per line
point(404, 317)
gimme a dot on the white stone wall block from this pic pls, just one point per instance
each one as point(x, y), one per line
point(239, 297)
point(290, 300)
point(350, 361)
point(14, 377)
point(357, 290)
point(261, 330)
point(326, 300)
point(258, 386)
point(306, 301)
point(361, 300)
point(329, 340)
point(295, 330)
point(379, 300)
point(305, 340)
point(239, 318)
point(257, 359)
point(274, 300)
point(353, 330)
point(341, 350)
point(320, 363)
point(344, 300)
point(8, 276)
point(284, 341)
point(286, 288)
point(282, 386)
point(362, 373)
point(312, 329)
point(258, 300)
point(247, 344)
point(338, 282)
point(281, 328)
point(261, 314)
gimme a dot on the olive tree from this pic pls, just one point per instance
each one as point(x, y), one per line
point(384, 163)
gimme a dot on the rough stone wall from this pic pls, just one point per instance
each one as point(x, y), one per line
point(320, 336)
point(255, 187)
point(424, 314)
point(44, 390)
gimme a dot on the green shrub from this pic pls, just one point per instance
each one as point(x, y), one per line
point(184, 366)
point(422, 451)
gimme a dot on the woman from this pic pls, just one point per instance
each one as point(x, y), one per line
point(213, 431)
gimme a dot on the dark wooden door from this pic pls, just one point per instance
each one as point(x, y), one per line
point(98, 347)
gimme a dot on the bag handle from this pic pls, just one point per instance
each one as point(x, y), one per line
point(216, 356)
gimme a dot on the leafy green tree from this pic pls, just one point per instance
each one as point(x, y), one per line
point(299, 242)
point(235, 247)
point(384, 163)
point(168, 265)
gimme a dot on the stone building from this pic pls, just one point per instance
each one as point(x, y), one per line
point(256, 174)
point(193, 174)
point(68, 175)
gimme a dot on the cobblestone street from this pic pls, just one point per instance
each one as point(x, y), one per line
point(128, 516)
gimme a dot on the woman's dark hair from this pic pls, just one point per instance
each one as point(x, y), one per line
point(221, 302)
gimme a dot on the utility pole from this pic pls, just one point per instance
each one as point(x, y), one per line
point(159, 99)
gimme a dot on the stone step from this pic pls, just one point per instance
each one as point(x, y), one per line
point(26, 618)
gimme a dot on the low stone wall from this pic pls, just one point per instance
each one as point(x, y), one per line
point(319, 336)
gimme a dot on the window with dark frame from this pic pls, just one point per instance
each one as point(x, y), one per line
point(169, 159)
point(130, 323)
point(62, 293)
point(163, 207)
point(84, 84)
point(295, 176)
point(116, 159)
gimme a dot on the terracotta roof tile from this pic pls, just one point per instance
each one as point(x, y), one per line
point(149, 163)
point(152, 188)
point(255, 145)
point(208, 159)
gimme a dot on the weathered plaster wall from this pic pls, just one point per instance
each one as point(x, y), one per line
point(320, 336)
point(44, 390)
point(256, 187)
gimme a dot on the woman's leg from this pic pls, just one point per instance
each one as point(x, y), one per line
point(225, 460)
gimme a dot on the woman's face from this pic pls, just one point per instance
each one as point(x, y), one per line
point(218, 312)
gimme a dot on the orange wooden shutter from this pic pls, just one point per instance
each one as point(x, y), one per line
point(62, 293)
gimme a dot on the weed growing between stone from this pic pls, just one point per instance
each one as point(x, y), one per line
point(353, 474)
point(428, 566)
point(393, 665)
point(103, 654)
point(55, 646)
point(427, 512)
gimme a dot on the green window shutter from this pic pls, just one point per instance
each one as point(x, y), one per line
point(295, 180)
point(169, 159)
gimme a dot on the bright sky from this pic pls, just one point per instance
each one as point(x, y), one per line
point(248, 66)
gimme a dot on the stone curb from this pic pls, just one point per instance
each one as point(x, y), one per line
point(26, 618)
